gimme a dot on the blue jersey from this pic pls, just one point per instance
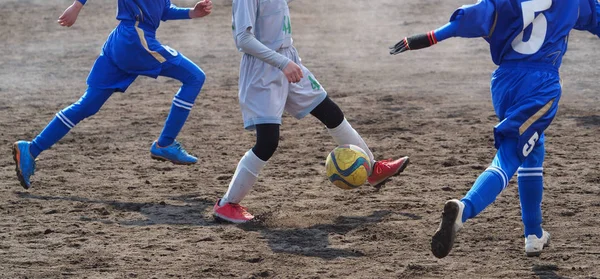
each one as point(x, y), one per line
point(526, 30)
point(132, 48)
point(150, 12)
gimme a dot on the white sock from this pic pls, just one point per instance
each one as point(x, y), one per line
point(244, 178)
point(345, 134)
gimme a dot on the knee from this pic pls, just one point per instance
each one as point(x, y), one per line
point(88, 105)
point(78, 111)
point(267, 140)
point(266, 147)
point(196, 77)
point(329, 113)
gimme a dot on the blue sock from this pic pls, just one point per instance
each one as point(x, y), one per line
point(531, 189)
point(55, 131)
point(493, 180)
point(89, 104)
point(177, 117)
point(484, 192)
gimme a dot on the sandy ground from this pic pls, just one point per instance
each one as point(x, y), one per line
point(101, 208)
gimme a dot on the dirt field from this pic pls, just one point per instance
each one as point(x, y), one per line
point(101, 208)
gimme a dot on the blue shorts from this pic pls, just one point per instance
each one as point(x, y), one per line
point(130, 50)
point(525, 98)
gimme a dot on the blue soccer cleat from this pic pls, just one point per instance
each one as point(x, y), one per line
point(25, 163)
point(173, 153)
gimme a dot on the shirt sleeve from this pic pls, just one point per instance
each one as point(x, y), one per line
point(247, 43)
point(475, 20)
point(82, 1)
point(173, 12)
point(589, 14)
point(244, 16)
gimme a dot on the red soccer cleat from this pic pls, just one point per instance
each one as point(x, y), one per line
point(232, 212)
point(384, 169)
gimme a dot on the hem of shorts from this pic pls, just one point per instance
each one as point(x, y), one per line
point(312, 106)
point(250, 125)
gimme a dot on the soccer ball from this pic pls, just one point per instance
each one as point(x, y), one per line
point(348, 166)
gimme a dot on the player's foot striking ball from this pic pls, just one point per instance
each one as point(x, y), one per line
point(383, 170)
point(131, 50)
point(272, 80)
point(527, 44)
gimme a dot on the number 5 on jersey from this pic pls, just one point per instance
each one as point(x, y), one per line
point(539, 26)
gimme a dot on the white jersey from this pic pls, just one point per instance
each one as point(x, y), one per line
point(269, 21)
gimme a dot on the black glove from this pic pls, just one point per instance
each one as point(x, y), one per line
point(414, 42)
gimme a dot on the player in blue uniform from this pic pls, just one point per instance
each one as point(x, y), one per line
point(130, 50)
point(528, 39)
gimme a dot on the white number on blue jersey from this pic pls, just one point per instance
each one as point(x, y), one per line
point(170, 50)
point(530, 145)
point(538, 30)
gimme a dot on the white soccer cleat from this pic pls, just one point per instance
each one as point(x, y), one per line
point(443, 239)
point(535, 245)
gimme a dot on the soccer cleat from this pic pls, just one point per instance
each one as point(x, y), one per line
point(443, 239)
point(384, 169)
point(25, 163)
point(173, 153)
point(231, 212)
point(535, 245)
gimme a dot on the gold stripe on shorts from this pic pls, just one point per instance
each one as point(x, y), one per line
point(535, 117)
point(155, 54)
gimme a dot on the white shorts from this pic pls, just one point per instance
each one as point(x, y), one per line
point(265, 91)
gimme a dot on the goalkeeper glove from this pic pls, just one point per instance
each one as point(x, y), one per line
point(414, 42)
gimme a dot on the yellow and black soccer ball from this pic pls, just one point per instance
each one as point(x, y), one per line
point(348, 166)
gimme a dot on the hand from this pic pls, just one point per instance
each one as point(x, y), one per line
point(69, 16)
point(202, 8)
point(414, 42)
point(293, 72)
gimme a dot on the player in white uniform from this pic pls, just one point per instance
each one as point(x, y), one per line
point(273, 79)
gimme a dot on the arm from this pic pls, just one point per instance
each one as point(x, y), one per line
point(201, 9)
point(589, 17)
point(469, 21)
point(69, 16)
point(244, 19)
point(247, 43)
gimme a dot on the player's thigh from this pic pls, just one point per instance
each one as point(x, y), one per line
point(262, 92)
point(106, 75)
point(528, 117)
point(536, 157)
point(305, 95)
point(184, 70)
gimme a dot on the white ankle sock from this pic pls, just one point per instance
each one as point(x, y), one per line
point(244, 178)
point(345, 134)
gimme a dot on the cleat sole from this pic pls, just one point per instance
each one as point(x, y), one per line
point(224, 220)
point(16, 156)
point(443, 239)
point(163, 159)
